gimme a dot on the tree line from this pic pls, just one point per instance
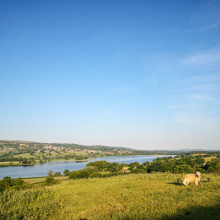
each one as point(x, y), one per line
point(179, 164)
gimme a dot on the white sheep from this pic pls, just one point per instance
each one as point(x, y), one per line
point(192, 178)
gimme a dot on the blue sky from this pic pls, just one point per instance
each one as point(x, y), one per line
point(140, 74)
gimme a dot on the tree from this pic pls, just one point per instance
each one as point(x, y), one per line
point(138, 171)
point(80, 174)
point(133, 165)
point(182, 169)
point(7, 183)
point(199, 160)
point(57, 174)
point(114, 167)
point(158, 166)
point(101, 165)
point(66, 172)
point(213, 166)
point(19, 181)
point(50, 173)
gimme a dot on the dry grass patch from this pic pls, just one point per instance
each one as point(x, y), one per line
point(42, 179)
point(10, 163)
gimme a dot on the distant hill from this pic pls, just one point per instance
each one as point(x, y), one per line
point(199, 150)
point(101, 147)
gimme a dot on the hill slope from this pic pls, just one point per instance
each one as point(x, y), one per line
point(137, 196)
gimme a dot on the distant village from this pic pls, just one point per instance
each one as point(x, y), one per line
point(49, 148)
point(31, 152)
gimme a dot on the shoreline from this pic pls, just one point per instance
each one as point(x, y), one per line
point(16, 163)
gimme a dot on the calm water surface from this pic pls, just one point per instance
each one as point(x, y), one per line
point(59, 166)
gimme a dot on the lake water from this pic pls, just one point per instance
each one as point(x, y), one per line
point(59, 166)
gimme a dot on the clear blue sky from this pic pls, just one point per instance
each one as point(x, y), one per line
point(140, 74)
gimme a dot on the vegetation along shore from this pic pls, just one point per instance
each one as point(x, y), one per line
point(24, 153)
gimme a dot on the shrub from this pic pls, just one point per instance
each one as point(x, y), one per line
point(79, 157)
point(183, 169)
point(57, 174)
point(138, 171)
point(4, 185)
point(66, 172)
point(99, 164)
point(80, 174)
point(90, 169)
point(7, 182)
point(49, 181)
point(50, 173)
point(96, 174)
point(102, 175)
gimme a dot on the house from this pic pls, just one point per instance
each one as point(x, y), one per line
point(125, 171)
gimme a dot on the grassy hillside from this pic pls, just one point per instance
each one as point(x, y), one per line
point(15, 153)
point(134, 196)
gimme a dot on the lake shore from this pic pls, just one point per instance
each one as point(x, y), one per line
point(41, 169)
point(18, 163)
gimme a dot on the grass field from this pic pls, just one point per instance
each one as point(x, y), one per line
point(42, 179)
point(10, 163)
point(26, 155)
point(134, 196)
point(209, 158)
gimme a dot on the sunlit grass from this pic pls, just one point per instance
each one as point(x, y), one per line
point(133, 196)
point(209, 158)
point(205, 158)
point(42, 179)
point(26, 155)
point(138, 196)
point(10, 163)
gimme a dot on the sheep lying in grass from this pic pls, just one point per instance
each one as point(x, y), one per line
point(192, 178)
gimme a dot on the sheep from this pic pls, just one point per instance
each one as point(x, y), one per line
point(192, 178)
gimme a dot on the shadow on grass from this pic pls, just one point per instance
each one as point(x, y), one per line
point(181, 184)
point(194, 213)
point(176, 184)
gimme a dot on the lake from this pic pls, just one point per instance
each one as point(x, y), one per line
point(59, 166)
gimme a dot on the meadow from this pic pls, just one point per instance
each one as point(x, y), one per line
point(37, 180)
point(133, 196)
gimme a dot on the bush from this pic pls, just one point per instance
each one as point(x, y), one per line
point(49, 181)
point(50, 173)
point(183, 169)
point(201, 170)
point(138, 171)
point(101, 165)
point(80, 174)
point(96, 174)
point(102, 175)
point(7, 182)
point(4, 185)
point(66, 172)
point(79, 157)
point(57, 174)
point(90, 169)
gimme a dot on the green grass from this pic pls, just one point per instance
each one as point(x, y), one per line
point(36, 180)
point(26, 155)
point(134, 196)
point(209, 158)
point(205, 158)
point(10, 163)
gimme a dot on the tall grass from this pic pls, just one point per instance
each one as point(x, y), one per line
point(28, 204)
point(134, 196)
